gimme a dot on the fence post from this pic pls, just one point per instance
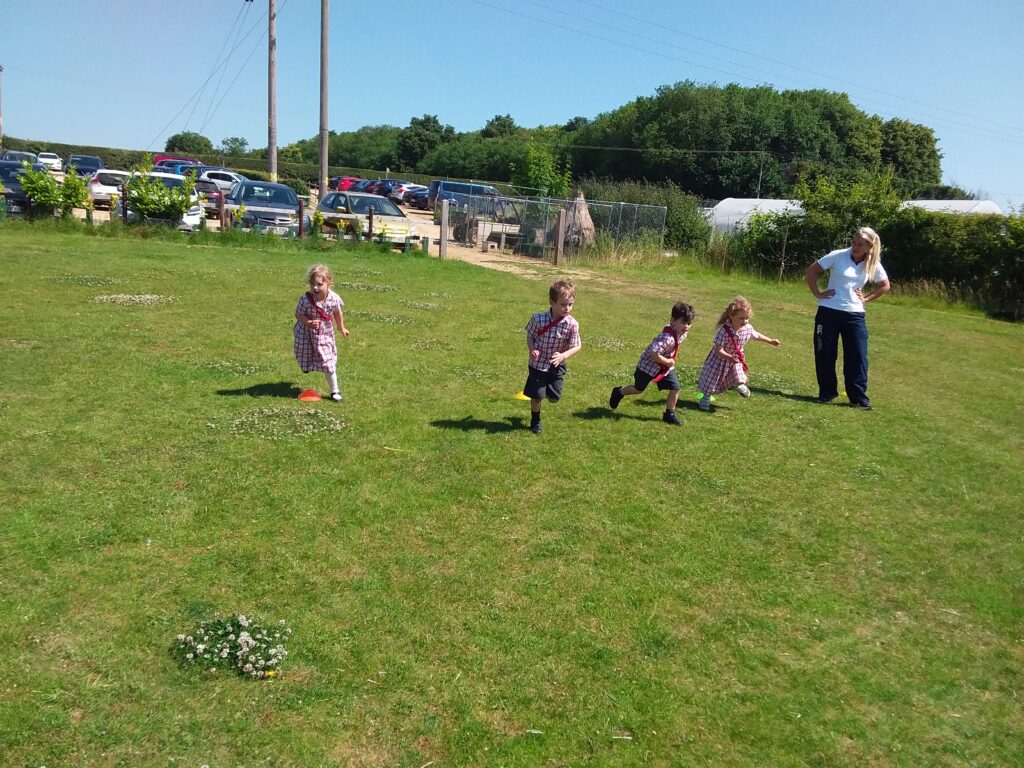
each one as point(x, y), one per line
point(425, 242)
point(501, 245)
point(560, 236)
point(220, 211)
point(369, 232)
point(124, 204)
point(302, 218)
point(443, 252)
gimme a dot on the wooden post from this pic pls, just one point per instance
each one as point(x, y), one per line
point(220, 209)
point(124, 204)
point(560, 235)
point(302, 217)
point(501, 245)
point(425, 243)
point(369, 233)
point(443, 251)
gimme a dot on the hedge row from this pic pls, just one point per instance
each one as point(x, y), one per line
point(979, 259)
point(686, 227)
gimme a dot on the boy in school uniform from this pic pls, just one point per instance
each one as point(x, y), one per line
point(658, 364)
point(552, 338)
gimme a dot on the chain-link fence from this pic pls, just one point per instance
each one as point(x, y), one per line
point(529, 226)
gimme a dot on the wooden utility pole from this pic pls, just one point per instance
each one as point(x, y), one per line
point(272, 92)
point(324, 134)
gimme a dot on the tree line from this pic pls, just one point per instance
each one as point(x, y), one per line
point(710, 141)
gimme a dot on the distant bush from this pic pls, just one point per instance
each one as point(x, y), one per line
point(686, 227)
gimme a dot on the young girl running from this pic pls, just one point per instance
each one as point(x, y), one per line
point(318, 311)
point(725, 367)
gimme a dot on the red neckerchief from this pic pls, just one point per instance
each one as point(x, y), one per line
point(312, 302)
point(736, 344)
point(548, 327)
point(675, 351)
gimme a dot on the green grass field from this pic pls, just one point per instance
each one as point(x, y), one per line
point(777, 583)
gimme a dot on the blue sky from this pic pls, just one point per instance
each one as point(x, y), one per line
point(126, 73)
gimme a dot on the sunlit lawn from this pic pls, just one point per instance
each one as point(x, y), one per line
point(776, 583)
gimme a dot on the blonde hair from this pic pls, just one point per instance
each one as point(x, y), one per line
point(875, 255)
point(739, 304)
point(322, 270)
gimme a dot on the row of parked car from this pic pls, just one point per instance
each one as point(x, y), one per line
point(84, 165)
point(413, 195)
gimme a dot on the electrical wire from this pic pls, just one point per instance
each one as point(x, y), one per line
point(796, 67)
point(227, 40)
point(198, 90)
point(970, 129)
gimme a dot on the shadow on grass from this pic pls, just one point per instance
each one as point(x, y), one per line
point(277, 389)
point(469, 424)
point(595, 412)
point(787, 395)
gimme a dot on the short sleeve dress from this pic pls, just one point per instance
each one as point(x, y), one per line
point(315, 349)
point(719, 374)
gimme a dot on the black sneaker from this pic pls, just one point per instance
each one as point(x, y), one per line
point(669, 417)
point(824, 400)
point(865, 406)
point(535, 425)
point(615, 399)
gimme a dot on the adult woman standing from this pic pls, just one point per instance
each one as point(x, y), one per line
point(841, 314)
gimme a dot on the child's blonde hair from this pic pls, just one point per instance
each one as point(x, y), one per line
point(320, 269)
point(739, 304)
point(561, 288)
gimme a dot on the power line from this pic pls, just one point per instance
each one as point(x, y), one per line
point(199, 90)
point(223, 68)
point(796, 67)
point(969, 128)
point(259, 41)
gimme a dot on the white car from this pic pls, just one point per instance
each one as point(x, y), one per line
point(400, 194)
point(51, 160)
point(222, 177)
point(104, 183)
point(192, 218)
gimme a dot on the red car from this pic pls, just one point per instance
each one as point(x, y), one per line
point(341, 183)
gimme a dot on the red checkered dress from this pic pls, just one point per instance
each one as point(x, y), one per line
point(719, 374)
point(315, 349)
point(558, 338)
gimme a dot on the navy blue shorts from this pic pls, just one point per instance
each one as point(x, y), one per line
point(547, 384)
point(670, 381)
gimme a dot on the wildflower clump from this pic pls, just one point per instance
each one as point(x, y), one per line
point(242, 644)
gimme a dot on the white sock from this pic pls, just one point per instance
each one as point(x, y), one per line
point(332, 382)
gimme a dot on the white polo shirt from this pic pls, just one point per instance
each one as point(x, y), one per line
point(844, 277)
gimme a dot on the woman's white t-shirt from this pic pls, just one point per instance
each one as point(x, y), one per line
point(844, 277)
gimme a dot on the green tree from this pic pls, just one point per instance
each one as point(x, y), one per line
point(42, 189)
point(910, 150)
point(372, 146)
point(471, 157)
point(233, 146)
point(539, 170)
point(73, 193)
point(148, 196)
point(500, 125)
point(944, 192)
point(423, 134)
point(190, 143)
